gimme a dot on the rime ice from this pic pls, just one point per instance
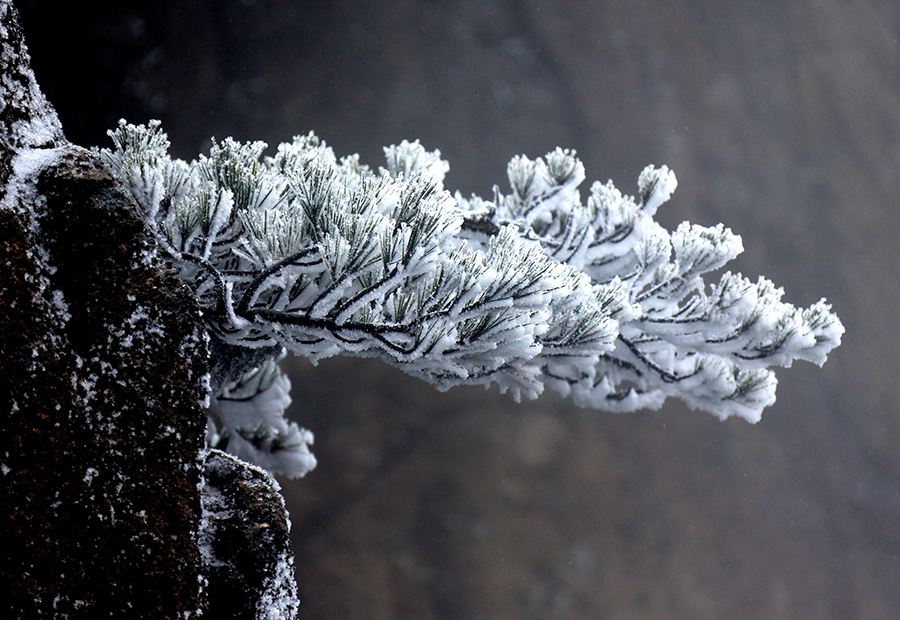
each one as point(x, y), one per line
point(534, 288)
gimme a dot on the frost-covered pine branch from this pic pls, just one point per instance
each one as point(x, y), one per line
point(320, 256)
point(711, 345)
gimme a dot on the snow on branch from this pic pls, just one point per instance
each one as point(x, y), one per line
point(247, 420)
point(710, 345)
point(534, 288)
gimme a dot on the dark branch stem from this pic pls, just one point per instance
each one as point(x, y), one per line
point(217, 278)
point(666, 376)
point(269, 271)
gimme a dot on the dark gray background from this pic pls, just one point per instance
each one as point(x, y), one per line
point(780, 119)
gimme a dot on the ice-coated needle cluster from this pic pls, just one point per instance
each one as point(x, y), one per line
point(303, 251)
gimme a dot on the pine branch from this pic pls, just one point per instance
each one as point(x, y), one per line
point(323, 256)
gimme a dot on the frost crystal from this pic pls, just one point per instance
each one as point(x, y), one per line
point(320, 256)
point(251, 414)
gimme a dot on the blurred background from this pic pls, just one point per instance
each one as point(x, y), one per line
point(781, 120)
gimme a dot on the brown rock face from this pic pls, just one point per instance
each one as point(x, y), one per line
point(246, 541)
point(101, 364)
point(103, 355)
point(101, 359)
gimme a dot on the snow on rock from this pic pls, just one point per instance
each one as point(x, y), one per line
point(103, 370)
point(245, 542)
point(26, 118)
point(100, 505)
point(102, 494)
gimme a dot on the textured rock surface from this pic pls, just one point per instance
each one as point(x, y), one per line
point(26, 119)
point(101, 359)
point(245, 539)
point(103, 365)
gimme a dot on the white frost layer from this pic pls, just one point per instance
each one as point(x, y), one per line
point(41, 126)
point(248, 417)
point(534, 288)
point(279, 600)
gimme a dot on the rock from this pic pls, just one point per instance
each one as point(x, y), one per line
point(245, 541)
point(103, 368)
